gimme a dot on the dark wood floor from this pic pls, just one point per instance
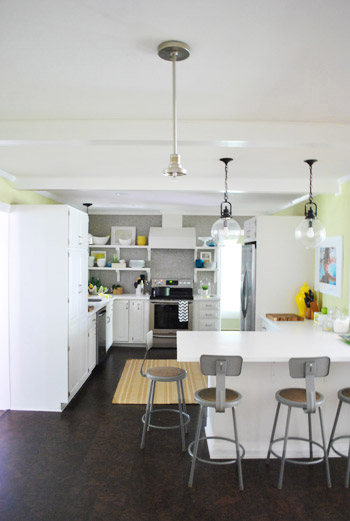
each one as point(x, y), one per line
point(86, 465)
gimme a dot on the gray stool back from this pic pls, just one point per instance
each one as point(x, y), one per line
point(308, 368)
point(165, 375)
point(344, 397)
point(219, 366)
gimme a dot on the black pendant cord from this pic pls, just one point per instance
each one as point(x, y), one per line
point(310, 206)
point(226, 187)
point(226, 207)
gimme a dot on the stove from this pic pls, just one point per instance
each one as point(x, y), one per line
point(171, 309)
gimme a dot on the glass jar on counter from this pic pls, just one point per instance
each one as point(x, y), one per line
point(205, 287)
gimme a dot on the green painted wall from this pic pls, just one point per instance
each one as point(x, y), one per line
point(334, 213)
point(9, 195)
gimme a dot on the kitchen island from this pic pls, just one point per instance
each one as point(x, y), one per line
point(264, 371)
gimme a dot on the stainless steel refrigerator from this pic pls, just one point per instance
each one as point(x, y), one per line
point(248, 292)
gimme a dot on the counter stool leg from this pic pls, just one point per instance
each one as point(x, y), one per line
point(152, 402)
point(334, 425)
point(273, 432)
point(239, 463)
point(329, 484)
point(181, 416)
point(195, 448)
point(183, 404)
point(146, 416)
point(283, 460)
point(310, 436)
point(347, 475)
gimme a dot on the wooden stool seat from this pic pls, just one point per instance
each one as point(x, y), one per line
point(344, 394)
point(297, 395)
point(165, 372)
point(209, 395)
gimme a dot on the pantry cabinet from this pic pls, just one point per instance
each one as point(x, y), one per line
point(131, 321)
point(92, 343)
point(48, 321)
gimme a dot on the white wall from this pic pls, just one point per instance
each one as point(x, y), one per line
point(4, 312)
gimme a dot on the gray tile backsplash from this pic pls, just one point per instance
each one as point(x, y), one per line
point(164, 263)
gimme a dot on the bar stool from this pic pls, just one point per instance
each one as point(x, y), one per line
point(164, 374)
point(309, 401)
point(220, 398)
point(344, 397)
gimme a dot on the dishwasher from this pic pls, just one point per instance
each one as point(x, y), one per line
point(100, 336)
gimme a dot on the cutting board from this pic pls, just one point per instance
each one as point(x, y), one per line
point(284, 316)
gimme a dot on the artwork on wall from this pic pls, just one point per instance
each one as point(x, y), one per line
point(206, 256)
point(123, 235)
point(98, 255)
point(328, 266)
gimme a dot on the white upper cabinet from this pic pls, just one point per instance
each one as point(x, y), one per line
point(78, 229)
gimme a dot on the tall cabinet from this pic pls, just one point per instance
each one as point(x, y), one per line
point(47, 305)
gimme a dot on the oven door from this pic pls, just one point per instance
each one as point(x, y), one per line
point(164, 321)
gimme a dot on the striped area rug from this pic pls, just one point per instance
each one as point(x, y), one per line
point(133, 388)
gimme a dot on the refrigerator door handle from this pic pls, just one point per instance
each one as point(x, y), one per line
point(244, 294)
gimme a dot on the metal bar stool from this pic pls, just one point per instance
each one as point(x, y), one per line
point(220, 398)
point(164, 374)
point(307, 399)
point(344, 397)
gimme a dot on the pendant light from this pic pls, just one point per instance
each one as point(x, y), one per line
point(310, 232)
point(174, 51)
point(225, 229)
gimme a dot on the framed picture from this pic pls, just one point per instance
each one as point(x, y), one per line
point(205, 256)
point(123, 232)
point(98, 255)
point(329, 266)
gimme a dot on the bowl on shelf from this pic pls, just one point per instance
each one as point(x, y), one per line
point(100, 240)
point(124, 242)
point(205, 241)
point(136, 263)
point(101, 263)
point(210, 265)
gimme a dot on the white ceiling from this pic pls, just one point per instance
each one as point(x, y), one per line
point(85, 101)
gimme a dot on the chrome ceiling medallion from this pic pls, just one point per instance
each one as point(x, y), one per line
point(310, 232)
point(174, 51)
point(225, 230)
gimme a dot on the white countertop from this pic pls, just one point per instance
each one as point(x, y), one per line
point(292, 339)
point(199, 297)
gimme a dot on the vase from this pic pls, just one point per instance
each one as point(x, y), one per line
point(300, 299)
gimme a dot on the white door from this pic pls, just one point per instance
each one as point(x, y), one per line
point(136, 322)
point(121, 321)
point(92, 344)
point(74, 358)
point(78, 282)
point(78, 229)
point(109, 325)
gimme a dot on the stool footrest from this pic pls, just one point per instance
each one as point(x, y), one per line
point(186, 419)
point(294, 461)
point(346, 437)
point(211, 462)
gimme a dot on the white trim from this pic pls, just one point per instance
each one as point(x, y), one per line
point(4, 207)
point(8, 176)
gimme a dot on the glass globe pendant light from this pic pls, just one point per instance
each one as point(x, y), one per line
point(310, 232)
point(174, 51)
point(225, 230)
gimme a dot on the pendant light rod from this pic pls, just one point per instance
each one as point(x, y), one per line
point(226, 160)
point(174, 56)
point(174, 51)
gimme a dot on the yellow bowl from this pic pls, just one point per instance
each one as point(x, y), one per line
point(141, 240)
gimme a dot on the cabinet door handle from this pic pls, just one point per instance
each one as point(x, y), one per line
point(81, 288)
point(108, 320)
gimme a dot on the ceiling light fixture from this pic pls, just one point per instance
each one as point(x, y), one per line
point(225, 229)
point(87, 206)
point(174, 51)
point(310, 232)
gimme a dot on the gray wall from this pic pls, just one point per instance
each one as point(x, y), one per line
point(164, 263)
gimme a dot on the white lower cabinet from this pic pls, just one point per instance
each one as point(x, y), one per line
point(130, 321)
point(77, 355)
point(92, 343)
point(206, 315)
point(109, 325)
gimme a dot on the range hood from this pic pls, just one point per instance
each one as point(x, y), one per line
point(172, 235)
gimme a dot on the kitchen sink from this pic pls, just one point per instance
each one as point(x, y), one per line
point(95, 300)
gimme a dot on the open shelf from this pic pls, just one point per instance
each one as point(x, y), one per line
point(118, 270)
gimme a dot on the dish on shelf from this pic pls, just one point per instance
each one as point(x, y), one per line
point(101, 263)
point(205, 240)
point(136, 263)
point(124, 242)
point(100, 240)
point(210, 265)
